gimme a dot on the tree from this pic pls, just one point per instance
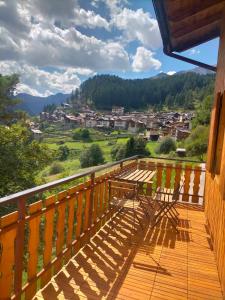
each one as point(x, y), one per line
point(85, 134)
point(21, 158)
point(81, 134)
point(167, 144)
point(63, 153)
point(134, 146)
point(196, 144)
point(203, 111)
point(7, 100)
point(92, 156)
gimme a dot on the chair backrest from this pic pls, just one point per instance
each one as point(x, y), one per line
point(168, 195)
point(122, 190)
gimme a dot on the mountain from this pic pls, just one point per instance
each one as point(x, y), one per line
point(202, 71)
point(197, 70)
point(180, 90)
point(34, 105)
point(160, 75)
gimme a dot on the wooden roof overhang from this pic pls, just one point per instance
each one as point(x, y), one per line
point(188, 23)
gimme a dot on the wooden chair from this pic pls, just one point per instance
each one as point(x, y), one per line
point(165, 200)
point(124, 196)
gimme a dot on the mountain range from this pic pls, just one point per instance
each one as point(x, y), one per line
point(34, 104)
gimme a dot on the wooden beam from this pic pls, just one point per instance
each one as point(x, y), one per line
point(196, 37)
point(179, 9)
point(191, 24)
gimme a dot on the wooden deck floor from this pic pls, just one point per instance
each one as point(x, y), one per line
point(156, 264)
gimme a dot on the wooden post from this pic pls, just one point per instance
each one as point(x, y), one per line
point(21, 204)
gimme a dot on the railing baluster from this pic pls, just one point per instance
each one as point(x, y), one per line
point(168, 176)
point(79, 219)
point(9, 231)
point(48, 238)
point(33, 243)
point(197, 174)
point(187, 177)
point(87, 209)
point(20, 239)
point(159, 174)
point(71, 211)
point(60, 229)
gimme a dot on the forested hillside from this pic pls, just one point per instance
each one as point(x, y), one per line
point(179, 90)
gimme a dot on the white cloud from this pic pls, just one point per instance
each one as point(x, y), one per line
point(40, 82)
point(52, 46)
point(194, 51)
point(138, 25)
point(143, 60)
point(40, 35)
point(89, 19)
point(171, 72)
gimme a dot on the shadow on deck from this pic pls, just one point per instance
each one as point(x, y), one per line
point(156, 264)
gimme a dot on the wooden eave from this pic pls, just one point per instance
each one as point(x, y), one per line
point(187, 23)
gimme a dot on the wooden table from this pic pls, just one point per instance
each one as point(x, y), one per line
point(140, 177)
point(137, 176)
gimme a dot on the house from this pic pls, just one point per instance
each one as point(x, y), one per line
point(118, 110)
point(181, 134)
point(120, 123)
point(135, 126)
point(72, 121)
point(102, 122)
point(36, 133)
point(184, 25)
point(90, 122)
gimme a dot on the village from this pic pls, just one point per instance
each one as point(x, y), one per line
point(151, 125)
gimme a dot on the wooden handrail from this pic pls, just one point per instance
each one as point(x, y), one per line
point(50, 185)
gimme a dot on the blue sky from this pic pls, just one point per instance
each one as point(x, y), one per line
point(54, 45)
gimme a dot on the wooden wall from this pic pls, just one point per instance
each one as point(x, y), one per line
point(215, 183)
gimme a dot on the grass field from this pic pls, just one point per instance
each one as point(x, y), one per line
point(72, 165)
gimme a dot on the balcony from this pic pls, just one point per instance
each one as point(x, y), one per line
point(63, 241)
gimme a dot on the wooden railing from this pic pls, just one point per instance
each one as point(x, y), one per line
point(170, 173)
point(41, 235)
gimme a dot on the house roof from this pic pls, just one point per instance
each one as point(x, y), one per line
point(187, 23)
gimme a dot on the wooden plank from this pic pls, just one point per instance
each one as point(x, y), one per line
point(71, 211)
point(87, 208)
point(177, 179)
point(101, 193)
point(196, 187)
point(131, 174)
point(159, 174)
point(60, 229)
point(168, 176)
point(213, 135)
point(187, 177)
point(33, 243)
point(19, 245)
point(7, 254)
point(151, 166)
point(48, 238)
point(141, 178)
point(142, 165)
point(136, 175)
point(79, 214)
point(96, 196)
point(151, 175)
point(220, 137)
